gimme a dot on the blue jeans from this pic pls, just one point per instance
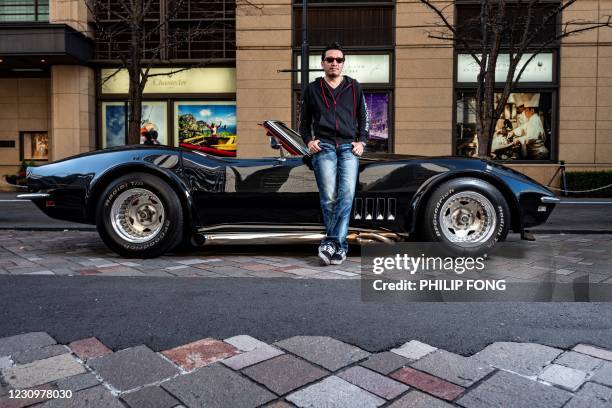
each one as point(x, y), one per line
point(336, 170)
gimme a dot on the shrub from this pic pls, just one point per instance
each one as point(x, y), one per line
point(588, 180)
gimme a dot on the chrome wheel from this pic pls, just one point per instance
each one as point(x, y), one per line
point(137, 215)
point(467, 218)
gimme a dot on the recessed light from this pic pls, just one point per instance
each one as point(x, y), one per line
point(43, 60)
point(1, 60)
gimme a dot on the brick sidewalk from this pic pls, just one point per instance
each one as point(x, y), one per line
point(302, 371)
point(565, 257)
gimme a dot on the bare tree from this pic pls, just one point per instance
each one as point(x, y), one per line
point(140, 35)
point(521, 29)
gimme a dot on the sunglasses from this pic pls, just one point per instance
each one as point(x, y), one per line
point(329, 60)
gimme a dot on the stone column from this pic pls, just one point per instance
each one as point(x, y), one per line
point(423, 84)
point(72, 110)
point(261, 92)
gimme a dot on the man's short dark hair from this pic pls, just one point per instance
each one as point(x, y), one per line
point(332, 46)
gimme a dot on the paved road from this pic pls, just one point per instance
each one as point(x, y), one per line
point(163, 313)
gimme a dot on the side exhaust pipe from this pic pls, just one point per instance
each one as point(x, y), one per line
point(267, 238)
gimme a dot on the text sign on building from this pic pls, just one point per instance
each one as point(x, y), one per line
point(540, 69)
point(195, 80)
point(373, 69)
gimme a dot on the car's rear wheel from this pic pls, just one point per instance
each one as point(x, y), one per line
point(140, 216)
point(466, 213)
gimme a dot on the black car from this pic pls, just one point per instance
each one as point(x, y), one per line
point(146, 200)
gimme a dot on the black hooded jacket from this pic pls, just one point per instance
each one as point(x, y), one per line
point(334, 116)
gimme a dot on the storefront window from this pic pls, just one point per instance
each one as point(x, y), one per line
point(154, 122)
point(206, 126)
point(522, 132)
point(34, 145)
point(113, 124)
point(378, 112)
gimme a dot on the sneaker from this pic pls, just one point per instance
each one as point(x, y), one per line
point(326, 251)
point(338, 257)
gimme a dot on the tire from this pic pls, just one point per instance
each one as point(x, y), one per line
point(140, 216)
point(466, 214)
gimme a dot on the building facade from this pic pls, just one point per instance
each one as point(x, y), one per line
point(56, 99)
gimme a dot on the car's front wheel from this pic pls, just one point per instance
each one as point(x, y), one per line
point(139, 216)
point(467, 214)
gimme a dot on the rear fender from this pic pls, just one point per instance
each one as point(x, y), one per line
point(102, 180)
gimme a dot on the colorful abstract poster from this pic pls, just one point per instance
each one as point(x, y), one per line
point(378, 111)
point(208, 127)
point(113, 124)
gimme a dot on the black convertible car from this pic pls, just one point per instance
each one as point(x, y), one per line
point(146, 200)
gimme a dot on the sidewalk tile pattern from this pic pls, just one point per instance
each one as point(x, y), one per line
point(267, 376)
point(329, 353)
point(24, 342)
point(385, 362)
point(249, 358)
point(150, 397)
point(578, 361)
point(521, 358)
point(592, 395)
point(504, 389)
point(603, 375)
point(224, 388)
point(414, 350)
point(200, 353)
point(417, 399)
point(594, 351)
point(464, 371)
point(89, 348)
point(77, 382)
point(565, 377)
point(24, 357)
point(334, 392)
point(132, 367)
point(428, 383)
point(274, 373)
point(42, 371)
point(373, 382)
point(245, 343)
point(97, 397)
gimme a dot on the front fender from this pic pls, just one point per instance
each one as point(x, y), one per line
point(420, 198)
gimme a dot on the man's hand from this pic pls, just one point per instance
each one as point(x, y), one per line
point(358, 148)
point(313, 146)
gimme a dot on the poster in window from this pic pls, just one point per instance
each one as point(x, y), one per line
point(35, 145)
point(522, 132)
point(113, 124)
point(378, 111)
point(208, 127)
point(154, 125)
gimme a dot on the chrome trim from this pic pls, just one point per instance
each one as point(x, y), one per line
point(550, 200)
point(33, 196)
point(291, 237)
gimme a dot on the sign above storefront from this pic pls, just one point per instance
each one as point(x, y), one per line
point(373, 69)
point(540, 69)
point(195, 80)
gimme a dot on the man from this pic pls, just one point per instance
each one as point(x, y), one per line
point(334, 126)
point(531, 134)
